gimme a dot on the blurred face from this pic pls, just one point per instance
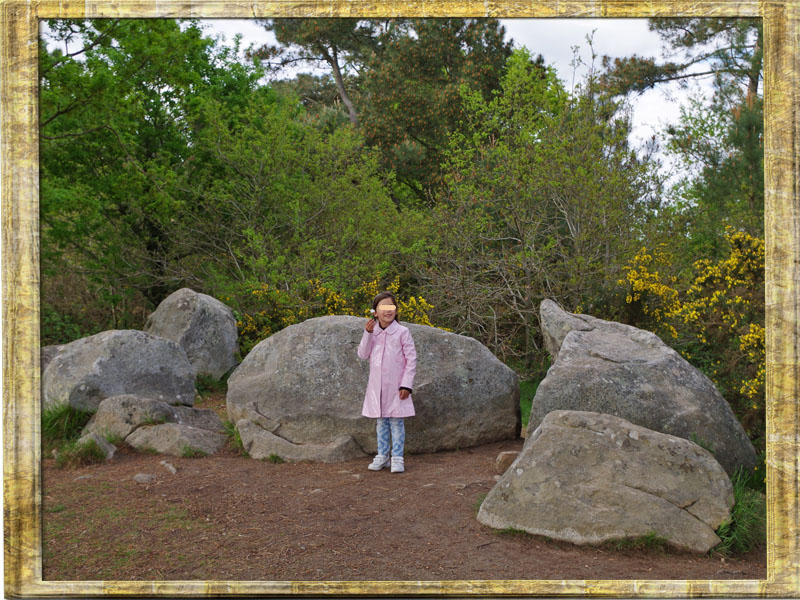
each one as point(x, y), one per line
point(385, 312)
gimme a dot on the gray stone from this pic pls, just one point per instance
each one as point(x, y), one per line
point(143, 478)
point(617, 369)
point(107, 447)
point(587, 478)
point(46, 354)
point(306, 384)
point(122, 415)
point(175, 439)
point(203, 326)
point(117, 362)
point(202, 418)
point(504, 460)
point(168, 466)
point(260, 444)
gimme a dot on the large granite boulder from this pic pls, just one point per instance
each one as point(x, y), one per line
point(203, 326)
point(261, 444)
point(587, 478)
point(111, 363)
point(306, 384)
point(46, 354)
point(620, 370)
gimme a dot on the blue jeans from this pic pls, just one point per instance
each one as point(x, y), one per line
point(398, 432)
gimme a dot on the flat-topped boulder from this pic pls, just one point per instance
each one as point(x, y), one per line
point(120, 416)
point(586, 478)
point(85, 372)
point(203, 326)
point(306, 384)
point(138, 422)
point(613, 368)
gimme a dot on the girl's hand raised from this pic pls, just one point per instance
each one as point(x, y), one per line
point(370, 325)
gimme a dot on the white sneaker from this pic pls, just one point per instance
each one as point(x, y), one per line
point(378, 462)
point(398, 464)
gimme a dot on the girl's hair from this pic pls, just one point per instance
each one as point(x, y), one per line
point(383, 296)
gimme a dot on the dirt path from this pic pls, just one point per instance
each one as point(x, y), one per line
point(230, 518)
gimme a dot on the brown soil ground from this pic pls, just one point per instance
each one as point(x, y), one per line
point(226, 517)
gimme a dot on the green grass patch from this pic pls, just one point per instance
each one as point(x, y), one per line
point(478, 501)
point(153, 421)
point(56, 509)
point(189, 452)
point(233, 433)
point(274, 458)
point(61, 424)
point(527, 390)
point(72, 454)
point(747, 526)
point(113, 438)
point(650, 541)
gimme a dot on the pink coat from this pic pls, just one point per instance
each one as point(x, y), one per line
point(392, 364)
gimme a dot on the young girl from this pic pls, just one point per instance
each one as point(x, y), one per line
point(392, 364)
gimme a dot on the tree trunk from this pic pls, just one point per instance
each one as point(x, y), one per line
point(333, 61)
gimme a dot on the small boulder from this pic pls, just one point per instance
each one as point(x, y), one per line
point(144, 478)
point(612, 368)
point(89, 370)
point(203, 326)
point(177, 440)
point(260, 444)
point(586, 478)
point(168, 466)
point(202, 418)
point(122, 415)
point(504, 460)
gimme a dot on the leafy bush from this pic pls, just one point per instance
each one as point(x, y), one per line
point(713, 316)
point(278, 308)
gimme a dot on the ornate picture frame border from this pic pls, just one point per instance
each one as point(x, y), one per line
point(19, 185)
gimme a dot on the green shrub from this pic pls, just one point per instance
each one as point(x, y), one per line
point(73, 454)
point(747, 526)
point(61, 424)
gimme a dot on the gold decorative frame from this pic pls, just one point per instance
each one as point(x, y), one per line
point(20, 273)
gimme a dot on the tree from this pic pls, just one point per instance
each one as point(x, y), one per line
point(113, 133)
point(543, 199)
point(719, 142)
point(343, 44)
point(399, 80)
